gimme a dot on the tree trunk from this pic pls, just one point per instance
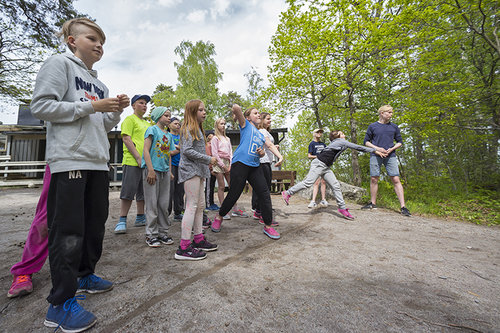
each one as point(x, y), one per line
point(356, 171)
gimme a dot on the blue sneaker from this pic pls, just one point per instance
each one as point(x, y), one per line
point(213, 207)
point(70, 316)
point(140, 220)
point(178, 217)
point(93, 284)
point(121, 226)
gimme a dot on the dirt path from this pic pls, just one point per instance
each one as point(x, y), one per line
point(381, 272)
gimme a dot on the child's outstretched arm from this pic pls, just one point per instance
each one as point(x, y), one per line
point(238, 115)
point(275, 151)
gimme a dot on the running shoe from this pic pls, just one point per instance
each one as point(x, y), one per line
point(153, 242)
point(405, 211)
point(285, 196)
point(70, 316)
point(257, 215)
point(369, 206)
point(216, 225)
point(189, 254)
point(239, 213)
point(323, 203)
point(312, 204)
point(273, 223)
point(206, 224)
point(21, 285)
point(204, 245)
point(164, 239)
point(93, 284)
point(271, 233)
point(345, 213)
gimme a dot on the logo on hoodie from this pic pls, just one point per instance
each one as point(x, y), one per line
point(88, 87)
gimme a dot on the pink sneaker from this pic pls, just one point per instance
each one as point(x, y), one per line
point(271, 233)
point(21, 285)
point(285, 196)
point(216, 225)
point(345, 213)
point(273, 223)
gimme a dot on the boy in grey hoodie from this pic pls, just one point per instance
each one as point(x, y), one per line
point(320, 167)
point(78, 114)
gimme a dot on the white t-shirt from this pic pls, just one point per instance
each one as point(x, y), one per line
point(269, 157)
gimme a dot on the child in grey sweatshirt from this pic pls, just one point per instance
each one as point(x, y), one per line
point(78, 114)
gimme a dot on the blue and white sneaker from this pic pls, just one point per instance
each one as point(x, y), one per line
point(93, 284)
point(140, 220)
point(121, 226)
point(70, 316)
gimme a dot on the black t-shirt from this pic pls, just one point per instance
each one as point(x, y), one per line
point(316, 147)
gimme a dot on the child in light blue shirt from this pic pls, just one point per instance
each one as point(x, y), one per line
point(156, 175)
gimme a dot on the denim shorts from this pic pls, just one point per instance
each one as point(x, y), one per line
point(132, 183)
point(391, 165)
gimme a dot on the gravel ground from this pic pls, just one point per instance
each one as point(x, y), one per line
point(382, 272)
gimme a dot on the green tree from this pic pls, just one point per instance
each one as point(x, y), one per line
point(26, 37)
point(198, 76)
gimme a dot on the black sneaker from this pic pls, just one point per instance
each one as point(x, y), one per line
point(165, 239)
point(369, 206)
point(405, 211)
point(205, 245)
point(153, 242)
point(189, 254)
point(206, 224)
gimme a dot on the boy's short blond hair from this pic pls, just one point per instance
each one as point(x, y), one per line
point(384, 108)
point(70, 28)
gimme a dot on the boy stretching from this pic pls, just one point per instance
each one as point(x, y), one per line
point(320, 167)
point(78, 112)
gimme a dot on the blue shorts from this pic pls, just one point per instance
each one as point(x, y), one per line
point(391, 165)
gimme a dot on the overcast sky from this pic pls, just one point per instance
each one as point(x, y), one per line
point(142, 35)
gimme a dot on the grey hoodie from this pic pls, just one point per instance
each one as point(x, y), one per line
point(76, 135)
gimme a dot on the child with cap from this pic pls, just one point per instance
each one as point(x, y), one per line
point(315, 147)
point(78, 113)
point(156, 165)
point(133, 129)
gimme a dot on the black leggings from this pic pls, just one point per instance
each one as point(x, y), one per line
point(240, 174)
point(268, 174)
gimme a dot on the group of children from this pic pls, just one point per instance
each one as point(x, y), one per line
point(73, 207)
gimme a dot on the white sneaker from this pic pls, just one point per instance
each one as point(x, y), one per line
point(312, 204)
point(323, 203)
point(226, 217)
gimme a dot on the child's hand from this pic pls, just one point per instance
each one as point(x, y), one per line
point(279, 162)
point(107, 105)
point(123, 100)
point(172, 176)
point(260, 151)
point(151, 179)
point(382, 150)
point(236, 107)
point(380, 154)
point(213, 160)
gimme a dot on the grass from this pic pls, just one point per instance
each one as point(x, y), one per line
point(478, 205)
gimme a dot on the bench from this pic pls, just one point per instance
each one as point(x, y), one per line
point(282, 180)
